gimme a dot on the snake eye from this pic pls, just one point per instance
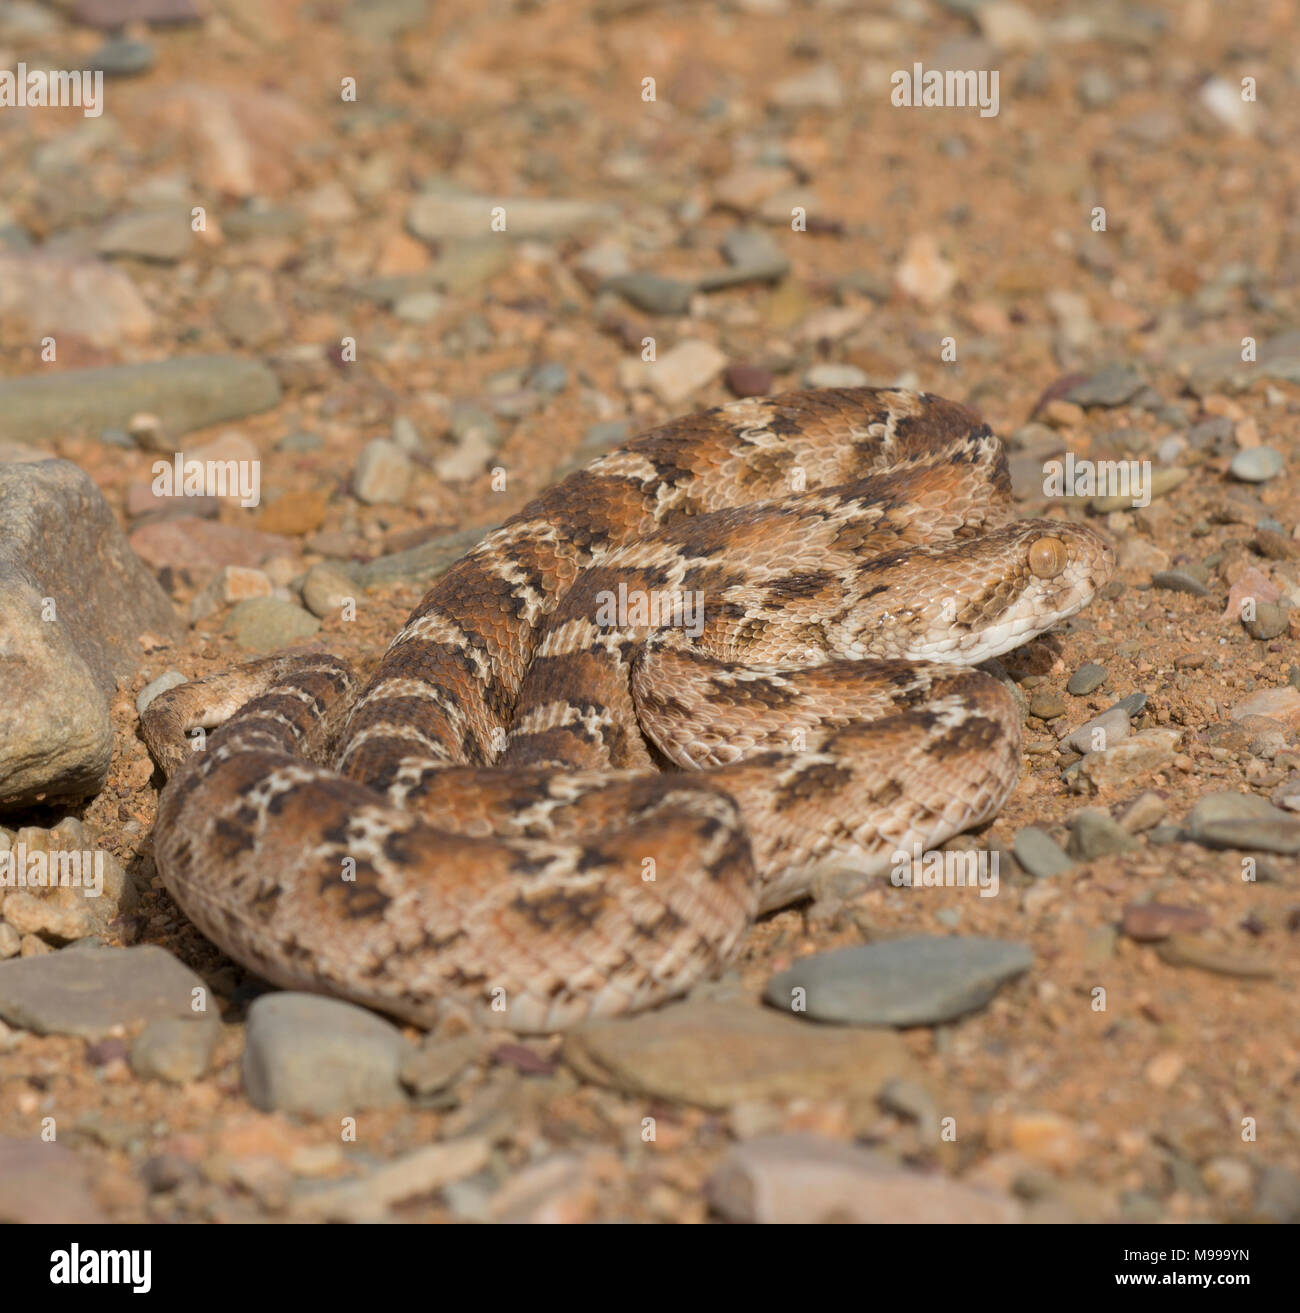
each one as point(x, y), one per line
point(1048, 557)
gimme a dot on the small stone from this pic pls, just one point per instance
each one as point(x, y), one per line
point(652, 293)
point(1148, 922)
point(917, 981)
point(832, 374)
point(924, 273)
point(1164, 1069)
point(1046, 704)
point(1269, 621)
point(264, 624)
point(1046, 1139)
point(1192, 951)
point(1145, 811)
point(1140, 754)
point(1281, 704)
point(1179, 581)
point(326, 589)
point(1111, 386)
point(1039, 853)
point(163, 236)
point(818, 88)
point(680, 373)
point(1087, 679)
point(800, 1179)
point(174, 1050)
point(383, 473)
point(1242, 820)
point(716, 1054)
point(1256, 464)
point(1099, 733)
point(295, 513)
point(419, 307)
point(437, 1063)
point(95, 991)
point(1093, 834)
point(314, 1056)
point(748, 380)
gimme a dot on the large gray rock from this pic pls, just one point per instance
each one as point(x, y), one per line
point(73, 600)
point(95, 991)
point(316, 1056)
point(185, 394)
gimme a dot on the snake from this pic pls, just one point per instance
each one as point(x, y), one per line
point(663, 699)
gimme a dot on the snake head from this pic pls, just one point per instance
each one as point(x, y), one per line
point(967, 601)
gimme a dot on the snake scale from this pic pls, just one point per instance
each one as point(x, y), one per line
point(648, 707)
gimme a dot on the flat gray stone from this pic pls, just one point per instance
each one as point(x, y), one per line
point(186, 393)
point(266, 624)
point(94, 991)
point(919, 981)
point(316, 1056)
point(74, 599)
point(1039, 853)
point(716, 1054)
point(174, 1050)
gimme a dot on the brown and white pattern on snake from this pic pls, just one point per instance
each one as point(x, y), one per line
point(552, 818)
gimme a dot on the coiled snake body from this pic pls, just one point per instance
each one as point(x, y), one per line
point(646, 708)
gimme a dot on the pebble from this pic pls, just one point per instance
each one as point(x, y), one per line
point(681, 372)
point(748, 380)
point(1099, 733)
point(383, 473)
point(61, 541)
point(818, 88)
point(162, 236)
point(44, 1183)
point(94, 991)
point(419, 307)
point(923, 273)
point(1094, 834)
point(717, 1054)
point(1287, 794)
point(443, 213)
point(185, 393)
point(550, 377)
point(1256, 464)
point(1148, 809)
point(1087, 679)
point(652, 293)
point(915, 981)
point(1148, 922)
point(831, 374)
point(753, 256)
point(1039, 853)
point(1140, 754)
point(295, 513)
point(1046, 704)
point(1281, 704)
point(437, 1063)
point(800, 1179)
point(175, 1050)
point(1269, 621)
point(423, 1171)
point(263, 624)
point(203, 547)
point(1185, 950)
point(312, 1056)
point(1110, 386)
point(325, 590)
point(1179, 581)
